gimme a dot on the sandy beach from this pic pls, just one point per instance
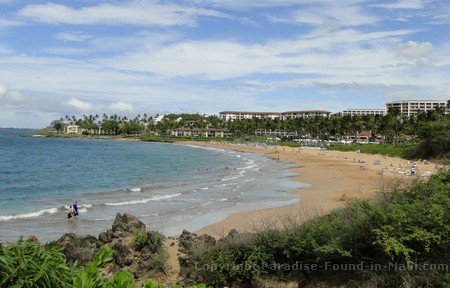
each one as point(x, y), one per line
point(334, 178)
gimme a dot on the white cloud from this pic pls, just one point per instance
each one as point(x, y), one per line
point(315, 53)
point(332, 16)
point(11, 98)
point(5, 50)
point(121, 107)
point(401, 4)
point(15, 96)
point(138, 13)
point(79, 105)
point(413, 49)
point(5, 23)
point(2, 90)
point(72, 37)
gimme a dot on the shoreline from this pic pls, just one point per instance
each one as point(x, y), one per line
point(334, 178)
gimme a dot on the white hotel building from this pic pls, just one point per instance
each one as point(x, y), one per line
point(239, 115)
point(363, 112)
point(412, 107)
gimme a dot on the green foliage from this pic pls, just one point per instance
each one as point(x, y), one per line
point(131, 128)
point(436, 139)
point(29, 264)
point(408, 226)
point(150, 284)
point(110, 126)
point(89, 277)
point(121, 280)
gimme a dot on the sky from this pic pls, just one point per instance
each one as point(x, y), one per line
point(205, 56)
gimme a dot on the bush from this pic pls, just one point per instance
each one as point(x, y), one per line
point(29, 264)
point(406, 226)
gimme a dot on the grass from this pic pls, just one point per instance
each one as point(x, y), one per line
point(403, 151)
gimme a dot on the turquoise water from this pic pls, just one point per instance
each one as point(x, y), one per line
point(169, 187)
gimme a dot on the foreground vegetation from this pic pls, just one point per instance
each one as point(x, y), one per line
point(399, 240)
point(29, 264)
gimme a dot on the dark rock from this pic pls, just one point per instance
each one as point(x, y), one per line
point(126, 223)
point(33, 239)
point(104, 237)
point(79, 248)
point(190, 242)
point(121, 254)
point(205, 240)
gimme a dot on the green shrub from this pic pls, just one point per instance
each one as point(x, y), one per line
point(121, 280)
point(407, 226)
point(89, 277)
point(29, 264)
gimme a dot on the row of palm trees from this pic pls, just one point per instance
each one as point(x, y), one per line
point(392, 127)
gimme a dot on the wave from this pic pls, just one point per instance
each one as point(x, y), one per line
point(28, 215)
point(227, 184)
point(231, 178)
point(81, 208)
point(204, 188)
point(212, 202)
point(248, 167)
point(137, 189)
point(143, 201)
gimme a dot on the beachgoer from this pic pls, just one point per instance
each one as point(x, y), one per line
point(75, 208)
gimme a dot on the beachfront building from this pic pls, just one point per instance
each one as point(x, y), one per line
point(72, 129)
point(304, 114)
point(412, 107)
point(363, 112)
point(240, 115)
point(196, 132)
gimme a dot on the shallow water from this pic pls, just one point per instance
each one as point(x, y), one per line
point(169, 187)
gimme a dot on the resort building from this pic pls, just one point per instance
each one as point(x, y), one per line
point(196, 132)
point(412, 107)
point(72, 129)
point(363, 112)
point(240, 115)
point(304, 114)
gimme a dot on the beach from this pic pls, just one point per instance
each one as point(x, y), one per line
point(334, 178)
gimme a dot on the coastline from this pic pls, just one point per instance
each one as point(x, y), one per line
point(334, 178)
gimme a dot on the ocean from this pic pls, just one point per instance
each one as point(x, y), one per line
point(169, 187)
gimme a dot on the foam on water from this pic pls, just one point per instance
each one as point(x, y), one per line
point(143, 201)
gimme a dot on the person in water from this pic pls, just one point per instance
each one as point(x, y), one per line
point(75, 208)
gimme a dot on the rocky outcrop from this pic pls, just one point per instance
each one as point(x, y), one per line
point(190, 242)
point(134, 249)
point(126, 223)
point(79, 248)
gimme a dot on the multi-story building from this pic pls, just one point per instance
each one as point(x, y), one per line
point(363, 112)
point(304, 114)
point(412, 107)
point(196, 132)
point(72, 129)
point(239, 115)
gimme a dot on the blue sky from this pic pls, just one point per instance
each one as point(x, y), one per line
point(206, 56)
